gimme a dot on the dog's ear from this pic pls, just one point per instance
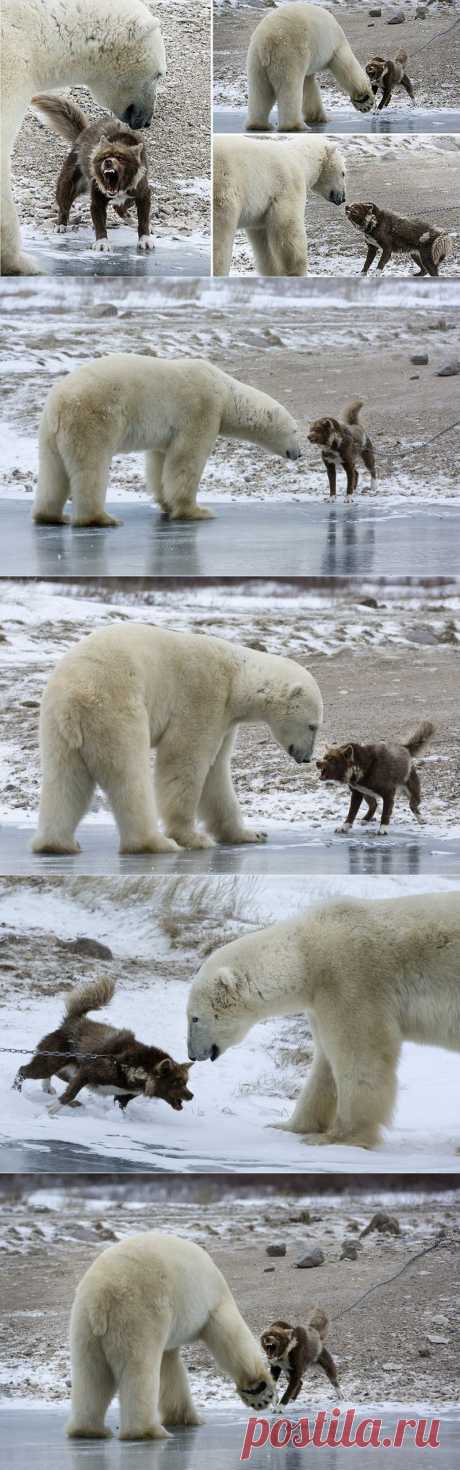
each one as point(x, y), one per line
point(138, 150)
point(104, 142)
point(348, 751)
point(166, 1065)
point(320, 765)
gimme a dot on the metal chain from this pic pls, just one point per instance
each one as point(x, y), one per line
point(87, 1056)
point(445, 1240)
point(433, 39)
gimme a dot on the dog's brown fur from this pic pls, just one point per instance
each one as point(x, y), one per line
point(102, 1057)
point(343, 442)
point(393, 233)
point(388, 75)
point(107, 159)
point(377, 770)
point(292, 1349)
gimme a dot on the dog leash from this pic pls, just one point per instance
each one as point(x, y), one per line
point(74, 1056)
point(432, 41)
point(379, 1285)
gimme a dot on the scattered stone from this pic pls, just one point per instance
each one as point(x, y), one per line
point(276, 1250)
point(349, 1250)
point(450, 370)
point(89, 947)
point(105, 1231)
point(386, 1224)
point(424, 1352)
point(437, 1341)
point(312, 1258)
point(397, 19)
point(268, 1269)
point(420, 359)
point(420, 13)
point(365, 602)
point(375, 12)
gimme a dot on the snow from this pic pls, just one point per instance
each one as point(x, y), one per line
point(229, 1123)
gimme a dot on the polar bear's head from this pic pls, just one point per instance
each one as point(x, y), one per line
point(218, 1012)
point(294, 710)
point(128, 87)
point(331, 181)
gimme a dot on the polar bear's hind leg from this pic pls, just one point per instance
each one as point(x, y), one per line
point(261, 95)
point(93, 1384)
point(67, 789)
point(125, 777)
point(312, 102)
point(176, 1403)
point(289, 97)
point(88, 489)
point(225, 225)
point(53, 481)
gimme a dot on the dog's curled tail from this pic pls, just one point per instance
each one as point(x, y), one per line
point(320, 1321)
point(61, 115)
point(442, 246)
point(351, 412)
point(90, 997)
point(420, 737)
point(401, 56)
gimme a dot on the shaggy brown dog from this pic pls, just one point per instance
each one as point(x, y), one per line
point(292, 1349)
point(393, 233)
point(108, 160)
point(343, 442)
point(376, 770)
point(92, 1054)
point(388, 75)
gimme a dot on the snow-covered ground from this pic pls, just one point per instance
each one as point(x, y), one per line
point(312, 350)
point(159, 933)
point(383, 659)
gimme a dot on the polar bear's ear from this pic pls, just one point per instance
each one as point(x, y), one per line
point(225, 987)
point(296, 690)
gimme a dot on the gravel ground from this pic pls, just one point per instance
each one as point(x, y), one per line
point(313, 360)
point(403, 1344)
point(410, 176)
point(178, 143)
point(382, 663)
point(434, 72)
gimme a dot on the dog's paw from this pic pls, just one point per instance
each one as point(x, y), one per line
point(146, 242)
point(54, 1108)
point(383, 831)
point(61, 229)
point(102, 247)
point(345, 827)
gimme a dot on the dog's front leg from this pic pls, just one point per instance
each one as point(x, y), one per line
point(405, 82)
point(385, 257)
point(68, 1096)
point(99, 218)
point(372, 251)
point(143, 206)
point(331, 474)
point(355, 803)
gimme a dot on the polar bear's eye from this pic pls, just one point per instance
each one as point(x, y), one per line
point(194, 1018)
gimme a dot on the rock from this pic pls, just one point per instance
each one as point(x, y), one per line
point(386, 1224)
point(105, 1231)
point(450, 370)
point(437, 1341)
point(365, 602)
point(349, 1250)
point(420, 13)
point(276, 1250)
point(424, 1352)
point(397, 19)
point(89, 947)
point(268, 1269)
point(420, 359)
point(375, 12)
point(312, 1258)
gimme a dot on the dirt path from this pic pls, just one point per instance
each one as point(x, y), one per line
point(383, 1350)
point(178, 143)
point(434, 71)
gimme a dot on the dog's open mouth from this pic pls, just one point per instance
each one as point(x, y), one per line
point(110, 176)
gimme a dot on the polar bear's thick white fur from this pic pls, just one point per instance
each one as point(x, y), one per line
point(114, 47)
point(127, 689)
point(261, 186)
point(173, 408)
point(140, 1302)
point(287, 49)
point(370, 976)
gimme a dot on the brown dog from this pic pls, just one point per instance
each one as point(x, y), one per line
point(107, 160)
point(372, 771)
point(343, 442)
point(394, 234)
point(105, 1059)
point(388, 75)
point(292, 1349)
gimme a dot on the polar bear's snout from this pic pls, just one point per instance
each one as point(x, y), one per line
point(294, 452)
point(200, 1046)
point(301, 756)
point(138, 115)
point(337, 196)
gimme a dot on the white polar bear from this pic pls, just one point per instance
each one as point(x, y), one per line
point(287, 49)
point(173, 408)
point(261, 186)
point(127, 689)
point(139, 1303)
point(114, 47)
point(370, 976)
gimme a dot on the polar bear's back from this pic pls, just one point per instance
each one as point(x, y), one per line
point(153, 1275)
point(131, 385)
point(255, 171)
point(296, 28)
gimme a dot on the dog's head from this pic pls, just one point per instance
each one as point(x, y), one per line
point(275, 1340)
point(338, 764)
point(323, 431)
point(374, 69)
point(364, 216)
point(118, 164)
point(168, 1080)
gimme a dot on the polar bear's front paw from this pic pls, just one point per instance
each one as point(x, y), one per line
point(363, 101)
point(21, 265)
point(257, 1395)
point(197, 840)
point(146, 242)
point(247, 835)
point(102, 247)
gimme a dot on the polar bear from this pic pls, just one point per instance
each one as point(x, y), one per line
point(140, 1302)
point(287, 49)
point(173, 408)
point(261, 186)
point(114, 47)
point(370, 976)
point(126, 689)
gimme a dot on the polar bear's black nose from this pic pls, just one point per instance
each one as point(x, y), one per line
point(293, 453)
point(137, 116)
point(214, 1053)
point(337, 196)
